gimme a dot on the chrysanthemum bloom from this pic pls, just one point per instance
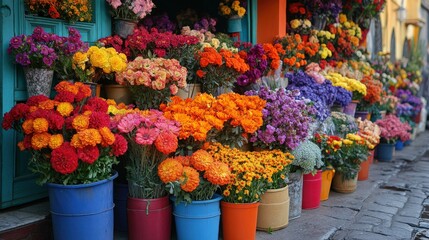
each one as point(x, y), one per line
point(166, 142)
point(184, 160)
point(89, 137)
point(40, 140)
point(40, 125)
point(80, 122)
point(170, 170)
point(146, 136)
point(88, 154)
point(108, 138)
point(120, 146)
point(190, 179)
point(27, 126)
point(201, 160)
point(64, 159)
point(65, 108)
point(218, 173)
point(56, 141)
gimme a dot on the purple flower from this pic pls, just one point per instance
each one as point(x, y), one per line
point(48, 61)
point(23, 59)
point(16, 42)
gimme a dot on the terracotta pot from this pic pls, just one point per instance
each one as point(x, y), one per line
point(371, 157)
point(239, 220)
point(273, 212)
point(344, 185)
point(327, 176)
point(364, 170)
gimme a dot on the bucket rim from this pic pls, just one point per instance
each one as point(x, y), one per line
point(56, 185)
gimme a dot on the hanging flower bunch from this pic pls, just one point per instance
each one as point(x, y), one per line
point(255, 57)
point(218, 69)
point(286, 120)
point(231, 8)
point(226, 119)
point(369, 131)
point(153, 81)
point(252, 172)
point(91, 65)
point(36, 50)
point(69, 137)
point(392, 128)
point(130, 9)
point(194, 178)
point(151, 138)
point(356, 87)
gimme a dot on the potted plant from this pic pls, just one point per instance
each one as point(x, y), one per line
point(370, 132)
point(233, 10)
point(97, 62)
point(151, 138)
point(193, 181)
point(252, 173)
point(391, 129)
point(36, 54)
point(127, 13)
point(346, 161)
point(152, 80)
point(374, 93)
point(343, 124)
point(72, 150)
point(71, 11)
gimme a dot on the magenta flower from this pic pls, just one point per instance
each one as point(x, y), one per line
point(129, 122)
point(146, 136)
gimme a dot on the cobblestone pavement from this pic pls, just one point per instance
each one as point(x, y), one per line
point(392, 204)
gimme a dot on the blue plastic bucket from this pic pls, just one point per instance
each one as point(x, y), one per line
point(120, 196)
point(399, 145)
point(384, 152)
point(198, 220)
point(83, 211)
point(408, 142)
point(234, 25)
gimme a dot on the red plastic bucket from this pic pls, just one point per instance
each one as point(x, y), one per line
point(311, 189)
point(149, 218)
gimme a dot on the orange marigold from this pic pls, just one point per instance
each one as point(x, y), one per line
point(75, 142)
point(47, 104)
point(40, 140)
point(170, 170)
point(80, 122)
point(218, 173)
point(201, 160)
point(190, 179)
point(108, 138)
point(166, 142)
point(40, 125)
point(65, 108)
point(27, 126)
point(89, 137)
point(184, 160)
point(56, 141)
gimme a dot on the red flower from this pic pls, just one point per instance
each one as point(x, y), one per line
point(88, 154)
point(64, 159)
point(64, 96)
point(120, 146)
point(96, 105)
point(53, 13)
point(99, 120)
point(35, 100)
point(166, 142)
point(56, 121)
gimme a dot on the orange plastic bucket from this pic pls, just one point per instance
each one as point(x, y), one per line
point(364, 170)
point(327, 176)
point(239, 220)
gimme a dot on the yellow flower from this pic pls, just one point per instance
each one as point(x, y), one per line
point(295, 23)
point(80, 122)
point(342, 18)
point(347, 142)
point(65, 108)
point(80, 58)
point(117, 64)
point(40, 125)
point(56, 141)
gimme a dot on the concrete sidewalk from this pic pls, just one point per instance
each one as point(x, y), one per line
point(391, 204)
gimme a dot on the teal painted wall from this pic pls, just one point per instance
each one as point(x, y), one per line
point(17, 183)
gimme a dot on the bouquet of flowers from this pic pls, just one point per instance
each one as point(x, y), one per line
point(231, 8)
point(66, 47)
point(374, 92)
point(151, 138)
point(252, 172)
point(161, 22)
point(369, 131)
point(344, 124)
point(300, 26)
point(205, 24)
point(194, 178)
point(43, 8)
point(356, 87)
point(153, 81)
point(69, 137)
point(227, 119)
point(329, 146)
point(91, 65)
point(130, 9)
point(352, 153)
point(392, 128)
point(218, 69)
point(36, 50)
point(286, 120)
point(327, 9)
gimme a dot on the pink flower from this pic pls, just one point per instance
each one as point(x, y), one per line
point(129, 122)
point(146, 136)
point(115, 3)
point(174, 89)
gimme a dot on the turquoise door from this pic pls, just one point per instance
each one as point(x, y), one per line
point(17, 184)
